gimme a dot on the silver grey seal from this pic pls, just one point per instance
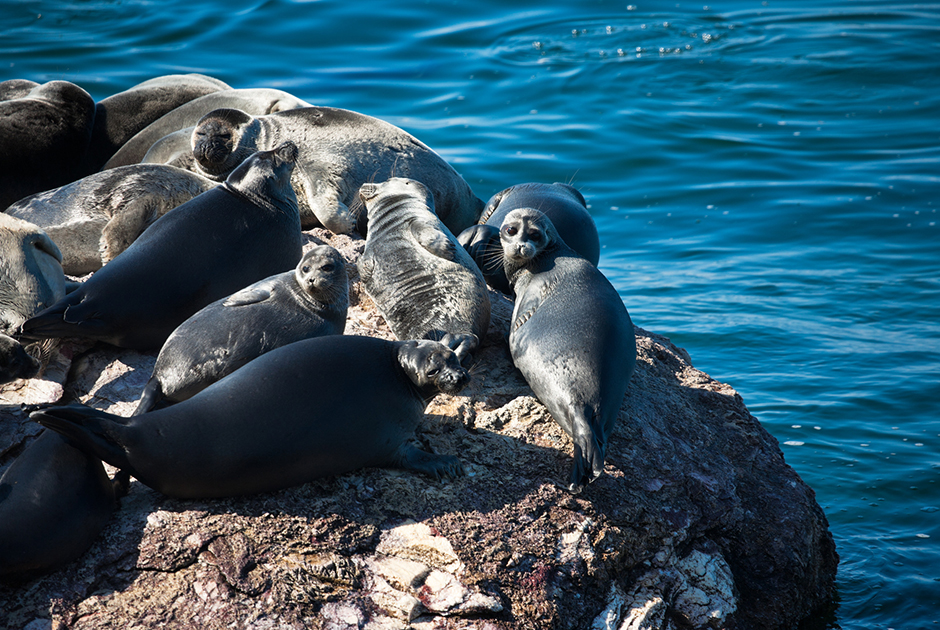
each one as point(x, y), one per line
point(423, 282)
point(340, 151)
point(310, 301)
point(571, 336)
point(31, 276)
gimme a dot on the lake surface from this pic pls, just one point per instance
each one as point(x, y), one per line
point(765, 177)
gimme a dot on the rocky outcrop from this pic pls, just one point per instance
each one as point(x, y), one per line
point(698, 521)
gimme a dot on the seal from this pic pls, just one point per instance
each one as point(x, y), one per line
point(571, 336)
point(340, 151)
point(254, 101)
point(425, 285)
point(219, 242)
point(44, 134)
point(15, 361)
point(31, 275)
point(95, 218)
point(562, 204)
point(122, 115)
point(289, 416)
point(54, 502)
point(310, 301)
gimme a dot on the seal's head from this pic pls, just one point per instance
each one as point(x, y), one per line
point(524, 234)
point(390, 194)
point(15, 362)
point(321, 274)
point(221, 141)
point(433, 366)
point(265, 176)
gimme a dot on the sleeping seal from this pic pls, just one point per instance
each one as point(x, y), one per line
point(562, 204)
point(571, 336)
point(340, 151)
point(94, 219)
point(207, 248)
point(255, 101)
point(309, 301)
point(317, 407)
point(54, 501)
point(31, 276)
point(423, 282)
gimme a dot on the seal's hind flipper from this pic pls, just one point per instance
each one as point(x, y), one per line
point(410, 457)
point(93, 431)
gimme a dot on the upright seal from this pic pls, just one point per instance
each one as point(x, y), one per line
point(208, 248)
point(424, 283)
point(571, 336)
point(310, 301)
point(340, 151)
point(260, 429)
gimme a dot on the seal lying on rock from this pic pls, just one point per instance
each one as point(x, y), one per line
point(310, 301)
point(31, 276)
point(54, 501)
point(94, 219)
point(562, 204)
point(317, 407)
point(254, 101)
point(208, 248)
point(339, 151)
point(571, 336)
point(424, 283)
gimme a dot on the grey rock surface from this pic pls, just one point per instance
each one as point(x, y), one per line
point(697, 523)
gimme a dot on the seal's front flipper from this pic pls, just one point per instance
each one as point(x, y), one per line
point(463, 345)
point(153, 394)
point(410, 457)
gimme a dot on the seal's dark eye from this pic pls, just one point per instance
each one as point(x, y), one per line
point(306, 269)
point(327, 268)
point(512, 230)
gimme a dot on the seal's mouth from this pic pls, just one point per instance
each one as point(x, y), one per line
point(452, 381)
point(367, 191)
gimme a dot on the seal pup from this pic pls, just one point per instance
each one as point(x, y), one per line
point(122, 115)
point(54, 502)
point(340, 151)
point(254, 101)
point(95, 218)
point(423, 282)
point(562, 204)
point(31, 275)
point(44, 134)
point(310, 301)
point(317, 407)
point(571, 336)
point(219, 242)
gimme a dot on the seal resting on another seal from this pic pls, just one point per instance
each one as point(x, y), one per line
point(562, 204)
point(310, 301)
point(54, 501)
point(571, 336)
point(94, 219)
point(424, 283)
point(317, 407)
point(207, 248)
point(31, 276)
point(340, 151)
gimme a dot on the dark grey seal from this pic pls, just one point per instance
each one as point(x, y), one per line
point(571, 336)
point(339, 151)
point(425, 285)
point(31, 276)
point(310, 301)
point(54, 501)
point(179, 122)
point(15, 361)
point(44, 134)
point(95, 218)
point(119, 117)
point(208, 248)
point(317, 407)
point(562, 204)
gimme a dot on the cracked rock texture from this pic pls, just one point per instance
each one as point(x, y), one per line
point(697, 523)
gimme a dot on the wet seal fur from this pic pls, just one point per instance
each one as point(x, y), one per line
point(423, 282)
point(340, 151)
point(171, 134)
point(561, 203)
point(571, 336)
point(94, 219)
point(261, 428)
point(310, 301)
point(54, 502)
point(219, 242)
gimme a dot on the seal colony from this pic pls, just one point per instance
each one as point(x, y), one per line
point(256, 387)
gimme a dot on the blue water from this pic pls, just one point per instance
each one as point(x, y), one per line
point(765, 177)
